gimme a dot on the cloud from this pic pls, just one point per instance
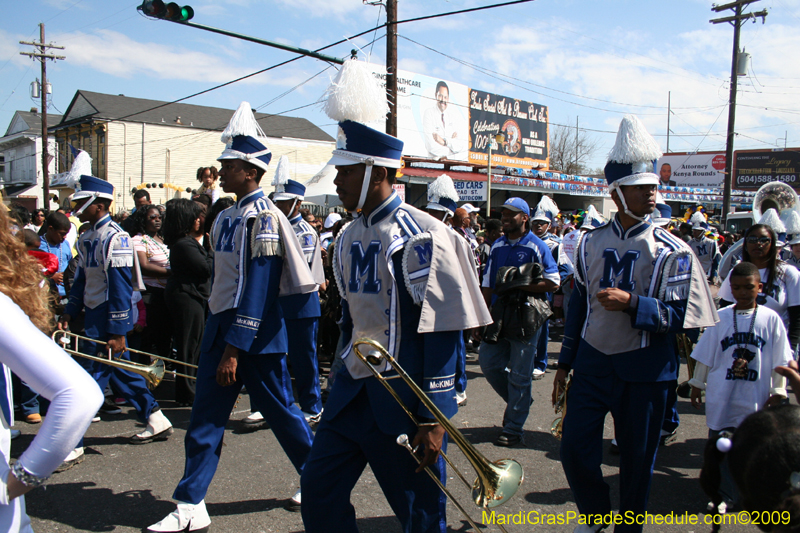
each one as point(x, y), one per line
point(9, 50)
point(116, 54)
point(326, 8)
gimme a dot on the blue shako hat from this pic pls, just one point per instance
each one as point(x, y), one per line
point(663, 213)
point(442, 195)
point(356, 143)
point(244, 139)
point(285, 188)
point(353, 99)
point(91, 186)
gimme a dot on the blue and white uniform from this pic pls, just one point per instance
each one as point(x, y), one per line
point(624, 362)
point(250, 248)
point(407, 283)
point(707, 252)
point(102, 285)
point(302, 312)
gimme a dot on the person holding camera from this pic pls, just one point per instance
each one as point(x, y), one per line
point(520, 270)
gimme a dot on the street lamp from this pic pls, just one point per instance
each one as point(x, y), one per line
point(499, 138)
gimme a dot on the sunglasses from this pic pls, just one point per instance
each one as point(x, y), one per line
point(761, 241)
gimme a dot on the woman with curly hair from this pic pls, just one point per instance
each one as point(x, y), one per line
point(153, 257)
point(37, 360)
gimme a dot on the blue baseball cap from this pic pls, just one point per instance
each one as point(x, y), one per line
point(517, 204)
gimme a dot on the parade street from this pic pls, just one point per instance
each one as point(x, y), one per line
point(124, 488)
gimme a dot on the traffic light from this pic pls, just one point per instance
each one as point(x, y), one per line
point(172, 11)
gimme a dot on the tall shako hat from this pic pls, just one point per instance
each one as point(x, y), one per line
point(86, 185)
point(632, 159)
point(663, 213)
point(442, 195)
point(792, 223)
point(546, 210)
point(698, 221)
point(285, 188)
point(592, 219)
point(244, 139)
point(353, 98)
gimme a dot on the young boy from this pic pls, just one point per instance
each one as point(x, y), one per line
point(736, 360)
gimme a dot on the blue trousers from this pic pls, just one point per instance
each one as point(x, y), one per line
point(302, 333)
point(508, 366)
point(342, 449)
point(638, 411)
point(461, 366)
point(671, 418)
point(540, 360)
point(268, 383)
point(130, 386)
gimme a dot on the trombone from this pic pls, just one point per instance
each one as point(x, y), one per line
point(496, 482)
point(152, 373)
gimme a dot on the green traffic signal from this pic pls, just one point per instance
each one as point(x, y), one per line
point(172, 11)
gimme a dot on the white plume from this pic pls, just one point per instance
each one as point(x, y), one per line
point(243, 122)
point(547, 208)
point(80, 167)
point(355, 94)
point(771, 219)
point(442, 187)
point(634, 144)
point(697, 219)
point(281, 172)
point(590, 215)
point(792, 223)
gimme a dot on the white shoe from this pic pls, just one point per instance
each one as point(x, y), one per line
point(187, 517)
point(75, 457)
point(294, 502)
point(254, 418)
point(15, 433)
point(158, 428)
point(312, 418)
point(538, 374)
point(461, 398)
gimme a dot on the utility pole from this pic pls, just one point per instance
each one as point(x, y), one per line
point(736, 20)
point(669, 112)
point(42, 56)
point(391, 66)
point(576, 144)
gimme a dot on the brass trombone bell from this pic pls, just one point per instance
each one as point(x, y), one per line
point(152, 373)
point(496, 481)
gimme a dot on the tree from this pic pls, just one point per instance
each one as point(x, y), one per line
point(571, 154)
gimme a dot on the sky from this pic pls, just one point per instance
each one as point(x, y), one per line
point(588, 61)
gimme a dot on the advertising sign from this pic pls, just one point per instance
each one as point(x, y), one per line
point(440, 119)
point(471, 191)
point(699, 169)
point(400, 189)
point(432, 115)
point(754, 168)
point(523, 124)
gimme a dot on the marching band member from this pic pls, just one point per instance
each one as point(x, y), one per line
point(103, 286)
point(256, 257)
point(302, 311)
point(408, 284)
point(643, 285)
point(38, 361)
point(703, 247)
point(544, 216)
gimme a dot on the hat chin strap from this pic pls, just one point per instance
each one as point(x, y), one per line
point(89, 202)
point(625, 209)
point(365, 184)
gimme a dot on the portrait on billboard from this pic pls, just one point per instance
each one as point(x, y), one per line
point(444, 127)
point(666, 175)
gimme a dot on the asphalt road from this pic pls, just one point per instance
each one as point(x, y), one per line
point(123, 488)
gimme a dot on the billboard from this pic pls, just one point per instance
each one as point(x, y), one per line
point(754, 168)
point(698, 169)
point(441, 119)
point(523, 124)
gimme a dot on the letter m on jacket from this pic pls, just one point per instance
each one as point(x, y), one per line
point(227, 229)
point(364, 264)
point(614, 267)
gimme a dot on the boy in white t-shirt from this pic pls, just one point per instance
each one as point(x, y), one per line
point(736, 360)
